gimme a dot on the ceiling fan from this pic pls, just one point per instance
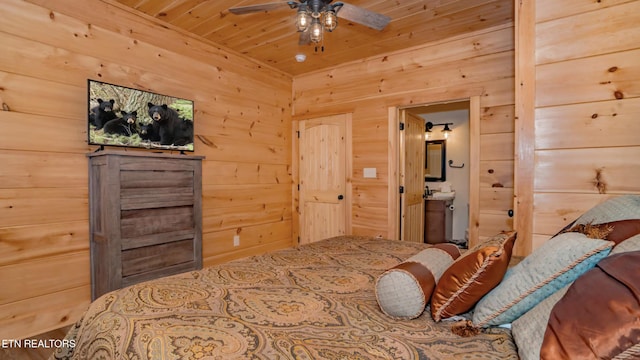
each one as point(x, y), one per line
point(316, 16)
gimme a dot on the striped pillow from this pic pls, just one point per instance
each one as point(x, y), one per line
point(404, 291)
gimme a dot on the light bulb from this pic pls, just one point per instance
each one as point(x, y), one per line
point(316, 31)
point(330, 20)
point(303, 19)
point(446, 131)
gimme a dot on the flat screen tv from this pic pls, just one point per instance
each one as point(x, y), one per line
point(122, 116)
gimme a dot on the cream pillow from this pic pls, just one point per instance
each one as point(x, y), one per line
point(404, 291)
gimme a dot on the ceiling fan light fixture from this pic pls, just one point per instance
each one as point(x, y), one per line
point(316, 30)
point(303, 18)
point(314, 17)
point(330, 20)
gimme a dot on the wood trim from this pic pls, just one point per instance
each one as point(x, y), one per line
point(474, 170)
point(295, 182)
point(524, 157)
point(393, 230)
point(348, 172)
point(401, 156)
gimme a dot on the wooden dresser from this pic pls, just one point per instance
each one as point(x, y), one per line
point(145, 212)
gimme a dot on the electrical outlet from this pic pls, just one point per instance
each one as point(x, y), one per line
point(236, 240)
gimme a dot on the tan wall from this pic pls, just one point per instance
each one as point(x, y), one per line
point(478, 64)
point(585, 108)
point(242, 124)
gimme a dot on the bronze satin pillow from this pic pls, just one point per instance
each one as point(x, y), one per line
point(623, 229)
point(616, 231)
point(599, 316)
point(471, 276)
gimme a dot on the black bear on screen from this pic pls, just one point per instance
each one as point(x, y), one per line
point(184, 134)
point(149, 132)
point(171, 127)
point(126, 125)
point(102, 113)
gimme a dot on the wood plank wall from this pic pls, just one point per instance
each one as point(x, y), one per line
point(587, 108)
point(586, 143)
point(49, 49)
point(477, 64)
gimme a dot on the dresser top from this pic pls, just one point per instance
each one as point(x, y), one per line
point(146, 154)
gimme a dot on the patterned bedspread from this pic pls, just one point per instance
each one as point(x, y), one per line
point(313, 302)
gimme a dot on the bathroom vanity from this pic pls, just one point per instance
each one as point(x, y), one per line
point(438, 220)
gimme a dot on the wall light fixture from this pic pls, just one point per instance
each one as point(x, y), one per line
point(446, 131)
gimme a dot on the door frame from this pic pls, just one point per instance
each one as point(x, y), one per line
point(295, 175)
point(393, 195)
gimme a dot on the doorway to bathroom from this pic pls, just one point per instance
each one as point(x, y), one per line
point(449, 171)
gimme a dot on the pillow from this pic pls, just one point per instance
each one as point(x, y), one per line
point(605, 326)
point(404, 290)
point(623, 207)
point(471, 276)
point(631, 353)
point(556, 263)
point(616, 231)
point(623, 230)
point(528, 330)
point(631, 244)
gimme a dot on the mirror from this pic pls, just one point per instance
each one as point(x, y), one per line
point(435, 158)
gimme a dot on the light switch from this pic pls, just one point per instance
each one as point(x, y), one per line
point(369, 173)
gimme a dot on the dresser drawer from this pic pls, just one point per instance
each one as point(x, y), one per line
point(151, 258)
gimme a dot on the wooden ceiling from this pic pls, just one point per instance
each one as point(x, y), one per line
point(270, 37)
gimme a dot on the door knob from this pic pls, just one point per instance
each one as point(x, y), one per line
point(340, 197)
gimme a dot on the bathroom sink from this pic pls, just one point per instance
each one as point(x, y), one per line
point(443, 195)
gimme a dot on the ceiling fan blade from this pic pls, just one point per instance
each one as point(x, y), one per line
point(241, 10)
point(305, 38)
point(363, 16)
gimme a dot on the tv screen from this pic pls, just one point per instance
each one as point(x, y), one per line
point(121, 116)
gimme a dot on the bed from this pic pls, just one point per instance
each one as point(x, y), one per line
point(316, 301)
